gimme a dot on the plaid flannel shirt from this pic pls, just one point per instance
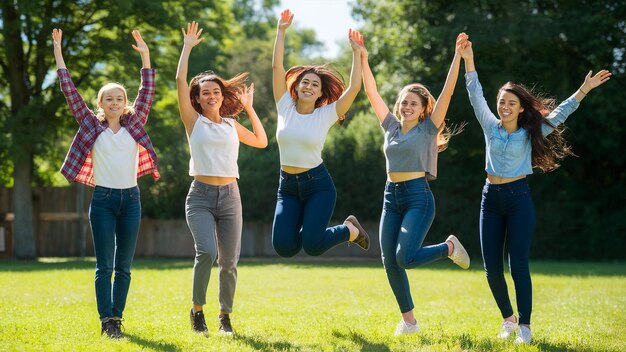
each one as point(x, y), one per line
point(78, 164)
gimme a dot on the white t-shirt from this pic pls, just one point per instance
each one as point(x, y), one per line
point(115, 159)
point(214, 148)
point(301, 137)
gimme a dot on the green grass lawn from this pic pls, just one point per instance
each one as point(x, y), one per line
point(304, 305)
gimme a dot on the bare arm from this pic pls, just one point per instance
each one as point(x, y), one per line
point(591, 83)
point(187, 113)
point(57, 35)
point(369, 82)
point(142, 49)
point(467, 53)
point(278, 68)
point(443, 102)
point(257, 138)
point(347, 98)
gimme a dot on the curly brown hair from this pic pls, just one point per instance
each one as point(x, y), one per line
point(547, 152)
point(332, 82)
point(231, 91)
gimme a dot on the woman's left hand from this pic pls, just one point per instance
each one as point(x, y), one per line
point(247, 96)
point(141, 47)
point(598, 79)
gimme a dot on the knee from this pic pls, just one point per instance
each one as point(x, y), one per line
point(284, 251)
point(203, 256)
point(313, 250)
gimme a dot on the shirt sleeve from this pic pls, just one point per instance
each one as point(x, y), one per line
point(388, 122)
point(75, 102)
point(560, 114)
point(145, 96)
point(475, 92)
point(284, 102)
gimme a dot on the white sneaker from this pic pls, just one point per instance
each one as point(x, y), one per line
point(507, 329)
point(524, 336)
point(406, 328)
point(459, 254)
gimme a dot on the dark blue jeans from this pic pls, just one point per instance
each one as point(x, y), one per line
point(114, 216)
point(507, 223)
point(408, 212)
point(304, 206)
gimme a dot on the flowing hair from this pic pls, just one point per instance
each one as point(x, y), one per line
point(231, 89)
point(332, 83)
point(547, 152)
point(128, 109)
point(428, 102)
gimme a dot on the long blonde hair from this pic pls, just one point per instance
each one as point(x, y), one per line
point(128, 109)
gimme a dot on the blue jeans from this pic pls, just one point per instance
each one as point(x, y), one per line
point(303, 209)
point(408, 212)
point(507, 221)
point(114, 216)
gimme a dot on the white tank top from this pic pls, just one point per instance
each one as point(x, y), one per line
point(301, 137)
point(115, 159)
point(214, 148)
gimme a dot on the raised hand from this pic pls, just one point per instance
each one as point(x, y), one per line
point(286, 17)
point(597, 80)
point(141, 47)
point(463, 46)
point(57, 36)
point(192, 37)
point(247, 96)
point(356, 41)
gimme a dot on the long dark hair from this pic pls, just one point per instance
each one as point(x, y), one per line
point(231, 90)
point(546, 152)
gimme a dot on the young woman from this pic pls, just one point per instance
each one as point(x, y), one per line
point(414, 133)
point(309, 100)
point(110, 150)
point(515, 143)
point(207, 107)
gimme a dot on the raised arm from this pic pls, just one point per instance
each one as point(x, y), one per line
point(257, 138)
point(347, 98)
point(57, 35)
point(145, 96)
point(443, 102)
point(191, 38)
point(467, 53)
point(278, 68)
point(369, 83)
point(591, 83)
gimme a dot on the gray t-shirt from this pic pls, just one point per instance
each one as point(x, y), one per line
point(412, 152)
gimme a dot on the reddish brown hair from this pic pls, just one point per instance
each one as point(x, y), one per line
point(332, 83)
point(231, 91)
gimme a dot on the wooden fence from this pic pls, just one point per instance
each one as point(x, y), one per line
point(62, 230)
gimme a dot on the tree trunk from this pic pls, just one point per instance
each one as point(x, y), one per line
point(24, 245)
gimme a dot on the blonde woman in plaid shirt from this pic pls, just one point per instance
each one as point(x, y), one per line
point(109, 151)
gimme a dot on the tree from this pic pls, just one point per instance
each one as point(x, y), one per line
point(96, 50)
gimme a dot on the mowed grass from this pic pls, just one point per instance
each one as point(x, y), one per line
point(306, 305)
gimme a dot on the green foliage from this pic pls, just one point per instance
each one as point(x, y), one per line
point(309, 306)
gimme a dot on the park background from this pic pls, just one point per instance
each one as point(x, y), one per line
point(548, 45)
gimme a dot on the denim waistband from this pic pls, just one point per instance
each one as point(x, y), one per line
point(309, 174)
point(121, 190)
point(517, 184)
point(421, 182)
point(205, 187)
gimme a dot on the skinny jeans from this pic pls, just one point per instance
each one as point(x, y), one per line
point(507, 223)
point(304, 205)
point(408, 212)
point(214, 216)
point(114, 217)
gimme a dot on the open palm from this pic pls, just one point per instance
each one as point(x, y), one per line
point(192, 36)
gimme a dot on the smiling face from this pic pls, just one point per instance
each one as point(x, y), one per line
point(112, 101)
point(509, 107)
point(411, 107)
point(210, 97)
point(309, 88)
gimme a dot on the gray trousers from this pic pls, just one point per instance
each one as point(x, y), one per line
point(215, 219)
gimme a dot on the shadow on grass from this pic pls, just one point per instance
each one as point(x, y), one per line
point(151, 345)
point(262, 345)
point(551, 268)
point(361, 341)
point(472, 344)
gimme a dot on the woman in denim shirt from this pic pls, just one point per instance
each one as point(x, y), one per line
point(515, 143)
point(109, 152)
point(414, 135)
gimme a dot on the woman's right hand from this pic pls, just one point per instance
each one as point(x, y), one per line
point(464, 47)
point(286, 17)
point(357, 42)
point(192, 37)
point(57, 36)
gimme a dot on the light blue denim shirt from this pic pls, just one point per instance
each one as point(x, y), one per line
point(509, 155)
